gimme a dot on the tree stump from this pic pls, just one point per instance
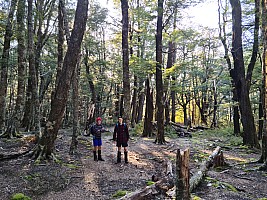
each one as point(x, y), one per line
point(182, 171)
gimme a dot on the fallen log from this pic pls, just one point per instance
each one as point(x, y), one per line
point(159, 187)
point(166, 184)
point(215, 159)
point(181, 132)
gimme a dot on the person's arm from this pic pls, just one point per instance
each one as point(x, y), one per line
point(115, 133)
point(92, 130)
point(127, 132)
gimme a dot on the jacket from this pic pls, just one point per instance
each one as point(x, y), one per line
point(121, 133)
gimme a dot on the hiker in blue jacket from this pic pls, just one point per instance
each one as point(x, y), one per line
point(121, 136)
point(97, 130)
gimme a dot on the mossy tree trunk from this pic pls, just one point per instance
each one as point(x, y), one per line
point(46, 143)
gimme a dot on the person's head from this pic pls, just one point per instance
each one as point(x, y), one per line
point(98, 120)
point(120, 119)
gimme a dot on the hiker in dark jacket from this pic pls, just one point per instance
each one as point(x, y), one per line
point(121, 136)
point(97, 130)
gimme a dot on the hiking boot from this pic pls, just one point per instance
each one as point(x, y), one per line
point(126, 156)
point(95, 157)
point(119, 157)
point(99, 156)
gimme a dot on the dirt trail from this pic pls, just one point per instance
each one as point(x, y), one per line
point(79, 177)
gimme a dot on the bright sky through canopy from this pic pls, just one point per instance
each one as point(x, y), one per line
point(204, 14)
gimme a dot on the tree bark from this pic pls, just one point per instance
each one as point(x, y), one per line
point(15, 119)
point(182, 173)
point(159, 83)
point(125, 62)
point(242, 83)
point(59, 100)
point(92, 103)
point(264, 59)
point(198, 176)
point(4, 64)
point(141, 101)
point(75, 110)
point(149, 111)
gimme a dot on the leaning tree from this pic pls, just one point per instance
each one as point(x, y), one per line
point(45, 146)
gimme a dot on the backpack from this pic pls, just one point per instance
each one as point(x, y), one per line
point(123, 124)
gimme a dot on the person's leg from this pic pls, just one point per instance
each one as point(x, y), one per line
point(95, 149)
point(99, 150)
point(125, 154)
point(119, 154)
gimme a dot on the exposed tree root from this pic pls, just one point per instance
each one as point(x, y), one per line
point(16, 155)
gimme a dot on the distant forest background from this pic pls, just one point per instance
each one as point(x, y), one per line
point(64, 63)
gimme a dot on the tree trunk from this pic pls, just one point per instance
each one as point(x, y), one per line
point(222, 35)
point(75, 110)
point(214, 123)
point(14, 122)
point(125, 62)
point(167, 84)
point(92, 103)
point(159, 83)
point(149, 111)
point(4, 65)
point(134, 103)
point(141, 101)
point(261, 111)
point(264, 61)
point(59, 100)
point(243, 84)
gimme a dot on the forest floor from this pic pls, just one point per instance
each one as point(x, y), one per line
point(79, 177)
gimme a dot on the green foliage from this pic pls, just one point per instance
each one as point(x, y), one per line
point(71, 166)
point(148, 183)
point(216, 183)
point(138, 130)
point(119, 193)
point(193, 197)
point(31, 176)
point(20, 196)
point(223, 136)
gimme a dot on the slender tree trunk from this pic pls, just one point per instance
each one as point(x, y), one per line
point(243, 84)
point(141, 101)
point(215, 106)
point(149, 111)
point(117, 102)
point(75, 111)
point(166, 84)
point(264, 59)
point(159, 83)
point(92, 103)
point(125, 62)
point(59, 100)
point(15, 119)
point(4, 64)
point(261, 111)
point(134, 103)
point(222, 34)
point(174, 51)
